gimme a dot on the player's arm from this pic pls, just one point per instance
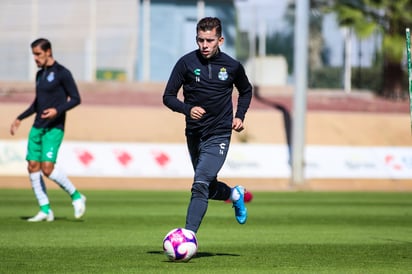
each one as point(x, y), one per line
point(173, 86)
point(237, 124)
point(72, 93)
point(16, 123)
point(14, 126)
point(245, 93)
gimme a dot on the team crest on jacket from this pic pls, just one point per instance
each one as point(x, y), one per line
point(50, 77)
point(222, 74)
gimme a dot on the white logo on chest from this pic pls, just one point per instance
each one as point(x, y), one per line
point(50, 77)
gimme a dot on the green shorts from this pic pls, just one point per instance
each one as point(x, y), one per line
point(43, 144)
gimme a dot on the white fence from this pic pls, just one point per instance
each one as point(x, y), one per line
point(165, 160)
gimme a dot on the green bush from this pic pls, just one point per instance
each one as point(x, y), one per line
point(332, 77)
point(327, 77)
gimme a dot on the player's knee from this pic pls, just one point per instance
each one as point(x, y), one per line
point(47, 168)
point(33, 166)
point(200, 190)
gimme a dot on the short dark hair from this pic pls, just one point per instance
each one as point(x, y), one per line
point(43, 43)
point(210, 23)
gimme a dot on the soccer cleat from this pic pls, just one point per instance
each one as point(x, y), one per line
point(239, 205)
point(41, 216)
point(79, 206)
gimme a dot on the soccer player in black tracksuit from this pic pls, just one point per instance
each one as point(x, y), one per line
point(56, 93)
point(208, 76)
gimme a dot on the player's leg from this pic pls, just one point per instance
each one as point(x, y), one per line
point(52, 140)
point(197, 206)
point(209, 157)
point(36, 179)
point(238, 199)
point(221, 191)
point(198, 201)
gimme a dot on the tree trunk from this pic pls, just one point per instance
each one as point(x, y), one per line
point(393, 77)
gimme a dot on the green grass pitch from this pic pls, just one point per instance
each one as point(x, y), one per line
point(287, 232)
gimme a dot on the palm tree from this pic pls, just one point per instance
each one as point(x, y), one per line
point(388, 17)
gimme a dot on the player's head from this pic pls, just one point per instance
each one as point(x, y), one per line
point(209, 36)
point(42, 52)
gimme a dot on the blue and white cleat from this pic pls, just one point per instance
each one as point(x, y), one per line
point(239, 204)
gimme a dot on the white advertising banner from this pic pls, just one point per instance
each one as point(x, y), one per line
point(359, 162)
point(111, 159)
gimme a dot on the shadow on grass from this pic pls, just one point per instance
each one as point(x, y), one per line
point(200, 254)
point(25, 218)
point(210, 254)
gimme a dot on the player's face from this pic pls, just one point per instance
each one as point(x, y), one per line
point(41, 57)
point(208, 42)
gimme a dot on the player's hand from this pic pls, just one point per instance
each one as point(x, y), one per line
point(237, 125)
point(14, 126)
point(197, 113)
point(49, 113)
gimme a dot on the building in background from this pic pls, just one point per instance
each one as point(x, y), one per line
point(167, 30)
point(94, 38)
point(129, 40)
point(123, 40)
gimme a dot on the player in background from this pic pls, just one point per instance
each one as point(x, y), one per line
point(56, 93)
point(207, 76)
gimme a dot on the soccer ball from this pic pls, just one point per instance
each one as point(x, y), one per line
point(180, 245)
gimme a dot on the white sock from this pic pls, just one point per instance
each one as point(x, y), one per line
point(62, 180)
point(39, 188)
point(235, 195)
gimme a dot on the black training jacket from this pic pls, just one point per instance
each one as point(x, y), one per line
point(208, 83)
point(55, 88)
